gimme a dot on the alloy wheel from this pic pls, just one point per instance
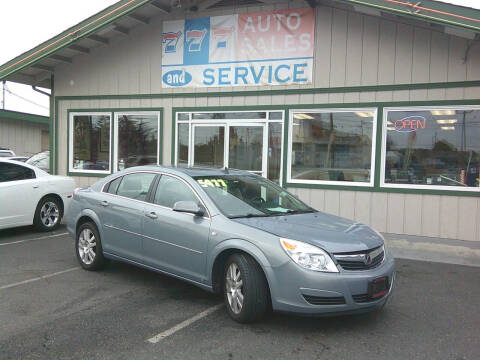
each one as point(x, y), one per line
point(234, 288)
point(87, 246)
point(49, 214)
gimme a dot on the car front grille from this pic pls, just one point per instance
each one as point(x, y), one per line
point(361, 260)
point(362, 298)
point(323, 300)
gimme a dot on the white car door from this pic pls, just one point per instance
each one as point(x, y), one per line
point(19, 195)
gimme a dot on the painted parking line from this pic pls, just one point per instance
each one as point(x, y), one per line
point(38, 278)
point(184, 324)
point(35, 239)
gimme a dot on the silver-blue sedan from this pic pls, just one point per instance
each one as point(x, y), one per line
point(236, 233)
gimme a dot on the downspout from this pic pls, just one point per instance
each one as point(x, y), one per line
point(40, 91)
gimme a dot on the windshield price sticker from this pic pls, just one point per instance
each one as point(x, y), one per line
point(212, 183)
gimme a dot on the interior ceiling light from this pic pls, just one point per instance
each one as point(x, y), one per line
point(303, 117)
point(364, 114)
point(448, 127)
point(442, 112)
point(446, 121)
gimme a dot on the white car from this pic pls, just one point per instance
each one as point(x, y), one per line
point(6, 153)
point(28, 195)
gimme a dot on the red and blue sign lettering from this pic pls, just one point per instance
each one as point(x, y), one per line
point(221, 36)
point(170, 41)
point(410, 124)
point(264, 48)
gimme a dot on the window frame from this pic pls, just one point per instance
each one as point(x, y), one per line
point(293, 111)
point(116, 115)
point(382, 159)
point(227, 123)
point(70, 142)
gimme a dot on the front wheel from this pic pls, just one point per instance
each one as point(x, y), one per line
point(245, 289)
point(88, 247)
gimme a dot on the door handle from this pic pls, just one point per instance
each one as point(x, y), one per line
point(151, 215)
point(104, 203)
point(36, 186)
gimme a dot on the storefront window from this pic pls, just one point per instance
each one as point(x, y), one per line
point(137, 136)
point(208, 142)
point(274, 151)
point(332, 146)
point(91, 142)
point(182, 145)
point(229, 115)
point(246, 140)
point(432, 147)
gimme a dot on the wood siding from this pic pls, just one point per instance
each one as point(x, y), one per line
point(23, 137)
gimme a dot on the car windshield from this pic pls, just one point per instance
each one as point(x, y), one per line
point(40, 160)
point(250, 196)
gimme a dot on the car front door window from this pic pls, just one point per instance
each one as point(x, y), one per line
point(170, 190)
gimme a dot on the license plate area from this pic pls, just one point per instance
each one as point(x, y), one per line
point(378, 287)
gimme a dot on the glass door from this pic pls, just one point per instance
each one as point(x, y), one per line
point(247, 148)
point(208, 148)
point(236, 146)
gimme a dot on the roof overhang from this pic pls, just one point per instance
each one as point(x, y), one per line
point(36, 66)
point(15, 115)
point(430, 11)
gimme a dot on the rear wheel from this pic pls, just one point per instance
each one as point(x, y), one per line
point(245, 289)
point(88, 247)
point(48, 214)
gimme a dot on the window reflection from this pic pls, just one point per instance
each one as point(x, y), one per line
point(209, 146)
point(246, 148)
point(433, 147)
point(332, 146)
point(91, 142)
point(274, 151)
point(182, 146)
point(137, 140)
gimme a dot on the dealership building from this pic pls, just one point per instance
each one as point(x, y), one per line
point(368, 109)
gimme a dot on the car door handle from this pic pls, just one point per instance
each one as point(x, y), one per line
point(36, 186)
point(104, 203)
point(151, 215)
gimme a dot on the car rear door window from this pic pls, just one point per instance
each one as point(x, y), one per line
point(13, 172)
point(170, 190)
point(113, 185)
point(135, 186)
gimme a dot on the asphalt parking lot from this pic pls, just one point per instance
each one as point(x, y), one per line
point(51, 309)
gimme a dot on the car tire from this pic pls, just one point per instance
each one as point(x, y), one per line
point(245, 289)
point(48, 214)
point(88, 247)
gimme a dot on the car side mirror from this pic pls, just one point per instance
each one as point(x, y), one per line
point(190, 207)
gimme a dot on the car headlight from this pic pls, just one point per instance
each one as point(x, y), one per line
point(308, 256)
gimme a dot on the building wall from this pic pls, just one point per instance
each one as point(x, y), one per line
point(23, 137)
point(351, 50)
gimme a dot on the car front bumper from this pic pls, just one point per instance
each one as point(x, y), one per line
point(291, 286)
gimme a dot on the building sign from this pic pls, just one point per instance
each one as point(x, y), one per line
point(267, 48)
point(410, 124)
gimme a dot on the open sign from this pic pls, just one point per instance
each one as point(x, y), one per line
point(410, 123)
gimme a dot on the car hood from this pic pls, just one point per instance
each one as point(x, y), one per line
point(331, 233)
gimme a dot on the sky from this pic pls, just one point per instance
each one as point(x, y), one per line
point(33, 21)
